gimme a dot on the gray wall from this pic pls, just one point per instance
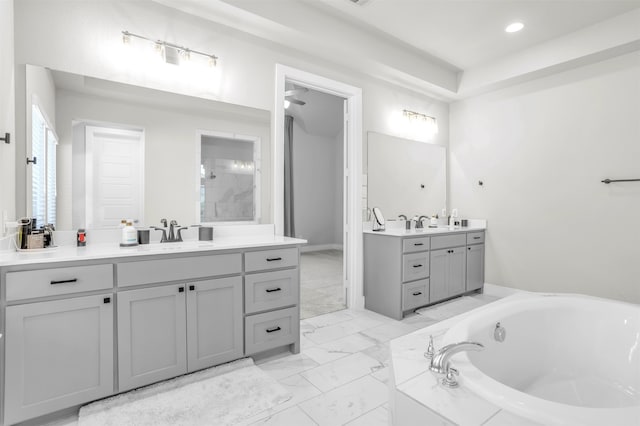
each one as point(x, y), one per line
point(317, 187)
point(541, 149)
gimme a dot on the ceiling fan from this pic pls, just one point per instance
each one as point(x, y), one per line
point(291, 96)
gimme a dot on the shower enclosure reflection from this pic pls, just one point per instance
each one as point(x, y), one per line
point(229, 178)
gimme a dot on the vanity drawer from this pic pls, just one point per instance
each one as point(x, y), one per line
point(415, 294)
point(270, 259)
point(415, 244)
point(56, 281)
point(178, 269)
point(270, 290)
point(445, 241)
point(415, 266)
point(475, 238)
point(270, 330)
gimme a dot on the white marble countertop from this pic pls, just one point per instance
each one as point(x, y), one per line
point(111, 250)
point(399, 232)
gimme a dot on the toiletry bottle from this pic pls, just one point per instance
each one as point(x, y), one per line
point(81, 238)
point(123, 223)
point(129, 235)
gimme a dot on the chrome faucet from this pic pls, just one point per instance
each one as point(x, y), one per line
point(402, 217)
point(440, 362)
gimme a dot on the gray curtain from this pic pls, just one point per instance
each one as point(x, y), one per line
point(289, 228)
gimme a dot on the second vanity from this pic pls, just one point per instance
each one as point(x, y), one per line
point(80, 324)
point(405, 270)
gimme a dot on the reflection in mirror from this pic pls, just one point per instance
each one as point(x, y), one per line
point(127, 152)
point(229, 171)
point(43, 168)
point(405, 177)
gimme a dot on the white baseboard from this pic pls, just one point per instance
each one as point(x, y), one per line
point(319, 247)
point(499, 291)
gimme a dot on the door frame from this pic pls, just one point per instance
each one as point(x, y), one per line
point(352, 167)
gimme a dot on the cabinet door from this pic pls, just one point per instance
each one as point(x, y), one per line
point(60, 353)
point(151, 335)
point(475, 267)
point(439, 275)
point(457, 265)
point(214, 322)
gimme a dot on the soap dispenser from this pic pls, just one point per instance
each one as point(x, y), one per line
point(129, 235)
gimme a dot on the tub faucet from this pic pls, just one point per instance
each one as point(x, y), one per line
point(440, 362)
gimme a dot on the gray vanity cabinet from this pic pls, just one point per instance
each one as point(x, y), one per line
point(171, 330)
point(448, 273)
point(405, 272)
point(152, 335)
point(214, 322)
point(396, 272)
point(60, 353)
point(475, 267)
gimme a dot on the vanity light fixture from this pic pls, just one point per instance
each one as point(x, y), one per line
point(413, 116)
point(171, 53)
point(514, 27)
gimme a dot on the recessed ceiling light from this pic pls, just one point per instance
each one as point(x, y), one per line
point(515, 27)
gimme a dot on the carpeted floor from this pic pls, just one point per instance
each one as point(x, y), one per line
point(321, 288)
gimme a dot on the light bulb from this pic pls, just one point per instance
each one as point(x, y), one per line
point(515, 27)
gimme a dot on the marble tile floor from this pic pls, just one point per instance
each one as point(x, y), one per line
point(321, 288)
point(340, 375)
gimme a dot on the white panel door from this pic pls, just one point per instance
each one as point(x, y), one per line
point(115, 171)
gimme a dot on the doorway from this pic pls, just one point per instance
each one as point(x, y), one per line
point(314, 168)
point(351, 175)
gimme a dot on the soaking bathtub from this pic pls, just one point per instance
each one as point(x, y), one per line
point(565, 360)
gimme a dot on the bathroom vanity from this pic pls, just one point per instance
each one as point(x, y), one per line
point(408, 269)
point(80, 324)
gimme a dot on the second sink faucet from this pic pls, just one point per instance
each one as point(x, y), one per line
point(419, 223)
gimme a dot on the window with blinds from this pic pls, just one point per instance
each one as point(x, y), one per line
point(43, 169)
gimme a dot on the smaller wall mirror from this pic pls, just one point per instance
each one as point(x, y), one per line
point(405, 177)
point(229, 178)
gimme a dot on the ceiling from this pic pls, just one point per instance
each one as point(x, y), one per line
point(447, 49)
point(470, 33)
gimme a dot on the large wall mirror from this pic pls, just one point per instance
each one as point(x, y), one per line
point(405, 177)
point(124, 151)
